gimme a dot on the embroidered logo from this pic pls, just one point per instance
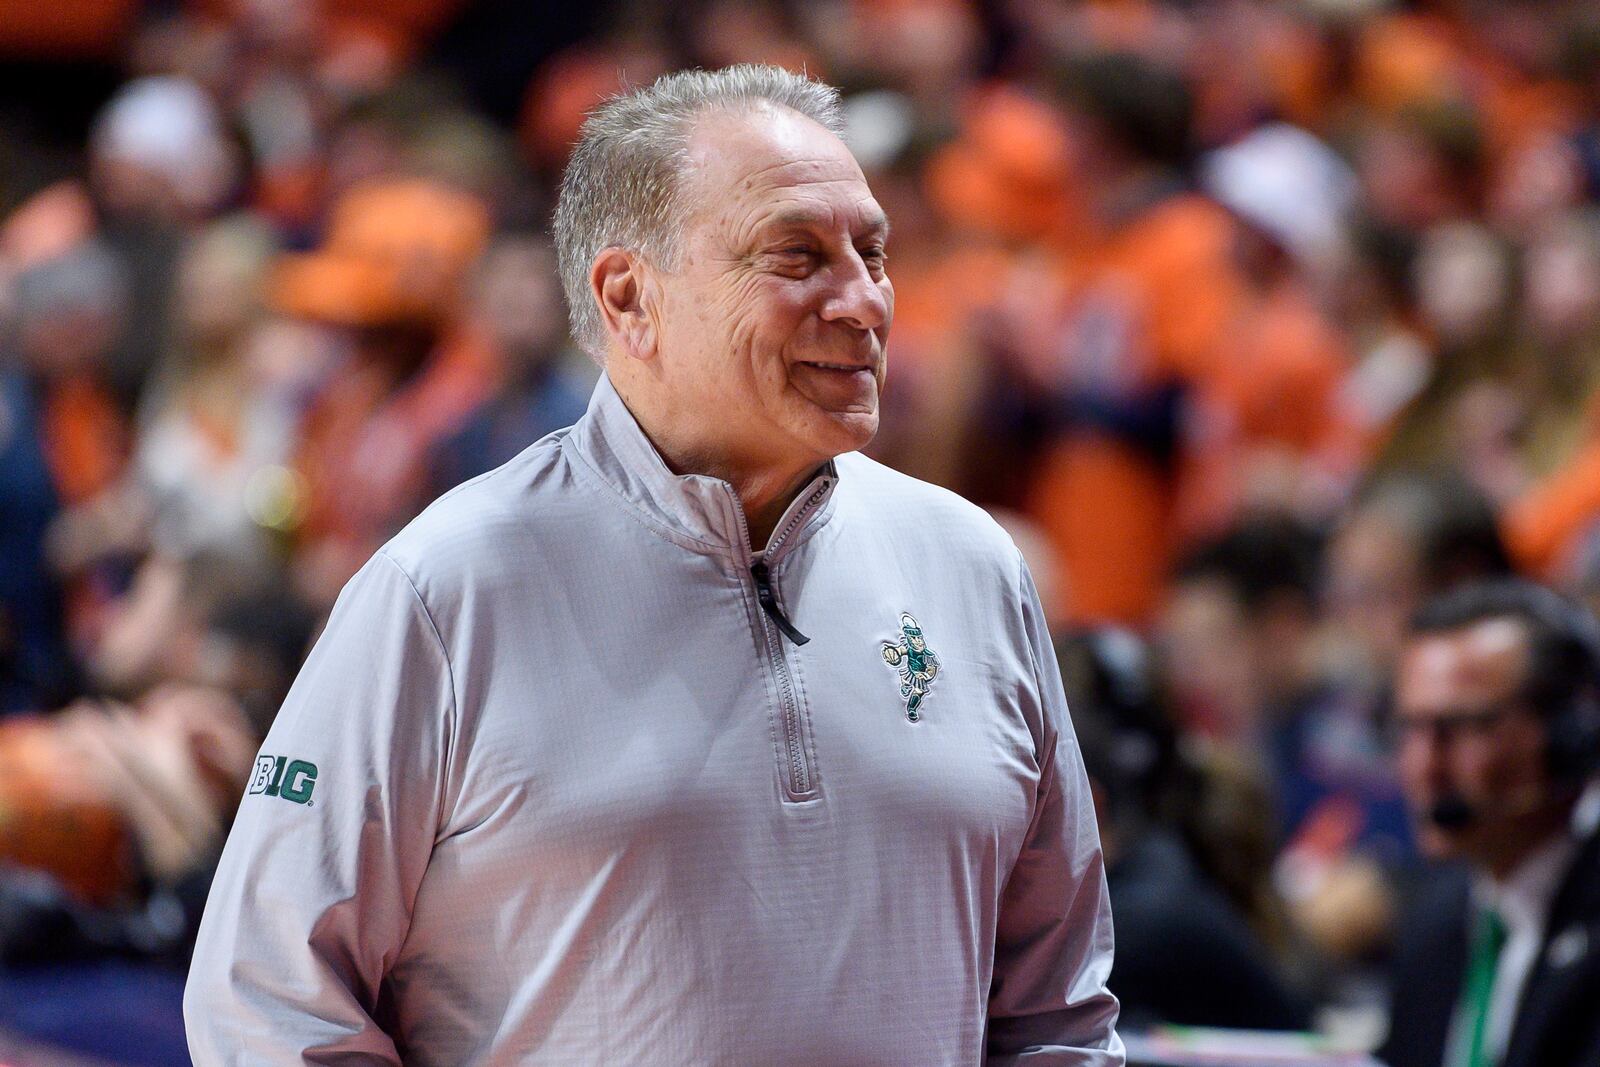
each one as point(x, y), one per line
point(279, 776)
point(915, 662)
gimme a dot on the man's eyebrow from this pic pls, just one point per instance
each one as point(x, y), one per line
point(876, 224)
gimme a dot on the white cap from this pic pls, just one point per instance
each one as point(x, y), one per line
point(879, 124)
point(170, 126)
point(1287, 183)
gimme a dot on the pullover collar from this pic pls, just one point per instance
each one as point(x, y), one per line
point(695, 511)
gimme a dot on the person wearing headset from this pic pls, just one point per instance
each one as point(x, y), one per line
point(1497, 711)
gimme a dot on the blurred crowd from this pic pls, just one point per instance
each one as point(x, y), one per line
point(1256, 322)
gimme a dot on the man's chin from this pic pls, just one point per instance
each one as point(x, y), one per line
point(1439, 845)
point(827, 429)
point(850, 431)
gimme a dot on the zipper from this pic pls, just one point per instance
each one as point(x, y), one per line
point(794, 739)
point(763, 576)
point(775, 627)
point(769, 603)
point(777, 539)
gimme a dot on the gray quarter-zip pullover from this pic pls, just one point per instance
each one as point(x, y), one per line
point(555, 788)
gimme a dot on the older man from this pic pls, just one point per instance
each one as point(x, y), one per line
point(1498, 706)
point(605, 758)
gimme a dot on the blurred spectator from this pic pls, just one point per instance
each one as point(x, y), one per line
point(215, 427)
point(69, 311)
point(115, 815)
point(65, 441)
point(1239, 633)
point(159, 161)
point(1185, 953)
point(1406, 538)
point(1236, 630)
point(387, 289)
point(1269, 431)
point(1422, 166)
point(1496, 709)
point(573, 82)
point(969, 216)
point(122, 806)
point(119, 807)
point(516, 301)
point(720, 33)
point(1511, 400)
point(35, 664)
point(1147, 307)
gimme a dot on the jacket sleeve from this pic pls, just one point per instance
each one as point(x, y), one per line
point(313, 894)
point(1048, 1003)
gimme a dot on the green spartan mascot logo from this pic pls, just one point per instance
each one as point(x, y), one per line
point(280, 776)
point(915, 661)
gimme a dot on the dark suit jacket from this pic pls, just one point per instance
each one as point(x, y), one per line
point(1558, 1018)
point(1185, 955)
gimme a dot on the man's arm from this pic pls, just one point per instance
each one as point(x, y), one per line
point(1048, 1003)
point(313, 896)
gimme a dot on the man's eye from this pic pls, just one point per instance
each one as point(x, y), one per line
point(794, 261)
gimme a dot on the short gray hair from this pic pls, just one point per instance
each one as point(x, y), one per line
point(623, 185)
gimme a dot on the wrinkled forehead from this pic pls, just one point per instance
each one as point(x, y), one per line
point(767, 163)
point(1478, 663)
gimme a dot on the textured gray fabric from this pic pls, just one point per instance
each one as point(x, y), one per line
point(577, 801)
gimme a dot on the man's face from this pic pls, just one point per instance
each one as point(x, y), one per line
point(1373, 586)
point(1469, 742)
point(516, 300)
point(771, 331)
point(1206, 641)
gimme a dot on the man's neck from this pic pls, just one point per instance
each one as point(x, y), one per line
point(1541, 828)
point(765, 489)
point(764, 493)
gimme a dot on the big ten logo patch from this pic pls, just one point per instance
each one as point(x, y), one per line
point(280, 776)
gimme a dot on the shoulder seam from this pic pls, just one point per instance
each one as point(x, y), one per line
point(450, 673)
point(493, 471)
point(426, 614)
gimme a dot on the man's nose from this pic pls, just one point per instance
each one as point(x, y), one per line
point(857, 298)
point(1428, 761)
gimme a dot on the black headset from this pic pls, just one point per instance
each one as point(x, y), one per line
point(1572, 736)
point(1563, 680)
point(1564, 637)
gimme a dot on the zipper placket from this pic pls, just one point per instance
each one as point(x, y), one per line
point(794, 735)
point(793, 524)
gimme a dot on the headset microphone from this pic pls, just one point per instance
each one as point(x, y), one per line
point(1455, 812)
point(1452, 813)
point(1565, 640)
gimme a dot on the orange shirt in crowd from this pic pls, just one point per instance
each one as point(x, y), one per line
point(86, 438)
point(55, 818)
point(1406, 59)
point(1273, 396)
point(366, 443)
point(1149, 309)
point(934, 372)
point(62, 28)
point(1544, 526)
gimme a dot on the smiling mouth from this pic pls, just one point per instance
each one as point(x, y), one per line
point(837, 366)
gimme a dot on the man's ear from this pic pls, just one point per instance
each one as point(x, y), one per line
point(620, 284)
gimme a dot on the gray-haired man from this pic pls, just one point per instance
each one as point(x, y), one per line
point(602, 760)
